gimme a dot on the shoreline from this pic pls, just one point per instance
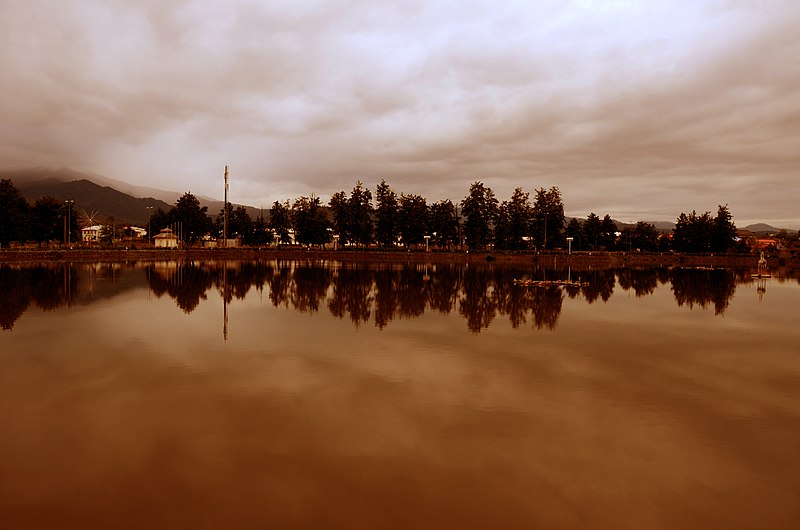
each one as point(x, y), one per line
point(554, 259)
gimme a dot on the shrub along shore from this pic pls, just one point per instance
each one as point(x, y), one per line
point(554, 259)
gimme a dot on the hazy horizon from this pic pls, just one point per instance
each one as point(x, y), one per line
point(641, 110)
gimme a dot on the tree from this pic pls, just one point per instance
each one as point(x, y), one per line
point(239, 223)
point(480, 211)
point(514, 221)
point(574, 231)
point(339, 212)
point(312, 226)
point(14, 214)
point(643, 236)
point(261, 234)
point(386, 215)
point(608, 233)
point(360, 209)
point(693, 232)
point(159, 220)
point(192, 219)
point(443, 223)
point(413, 219)
point(48, 218)
point(592, 228)
point(352, 217)
point(548, 215)
point(280, 221)
point(723, 237)
point(111, 231)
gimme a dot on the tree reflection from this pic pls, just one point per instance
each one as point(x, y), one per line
point(352, 294)
point(541, 303)
point(187, 283)
point(48, 288)
point(310, 287)
point(363, 291)
point(16, 296)
point(641, 281)
point(703, 287)
point(598, 284)
point(386, 280)
point(477, 304)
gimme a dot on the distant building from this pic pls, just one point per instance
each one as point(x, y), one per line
point(165, 239)
point(91, 234)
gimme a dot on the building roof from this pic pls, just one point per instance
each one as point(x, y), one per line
point(165, 233)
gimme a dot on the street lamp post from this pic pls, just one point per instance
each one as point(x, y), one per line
point(69, 204)
point(569, 244)
point(149, 224)
point(427, 243)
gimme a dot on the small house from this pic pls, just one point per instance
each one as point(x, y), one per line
point(165, 239)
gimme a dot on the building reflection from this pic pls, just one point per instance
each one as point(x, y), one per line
point(364, 292)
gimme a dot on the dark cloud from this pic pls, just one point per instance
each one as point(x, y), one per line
point(638, 109)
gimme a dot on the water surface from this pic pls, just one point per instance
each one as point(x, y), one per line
point(353, 395)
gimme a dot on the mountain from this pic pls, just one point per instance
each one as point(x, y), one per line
point(102, 195)
point(761, 228)
point(92, 198)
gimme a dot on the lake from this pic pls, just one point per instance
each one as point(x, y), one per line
point(319, 394)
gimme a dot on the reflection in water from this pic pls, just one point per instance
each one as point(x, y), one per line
point(364, 292)
point(625, 411)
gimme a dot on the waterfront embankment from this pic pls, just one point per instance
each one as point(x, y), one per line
point(547, 259)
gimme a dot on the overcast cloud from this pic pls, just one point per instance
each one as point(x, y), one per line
point(640, 109)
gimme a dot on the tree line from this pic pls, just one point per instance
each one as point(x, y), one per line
point(393, 220)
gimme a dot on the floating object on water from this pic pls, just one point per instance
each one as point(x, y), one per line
point(547, 283)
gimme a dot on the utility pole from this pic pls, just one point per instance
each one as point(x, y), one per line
point(225, 213)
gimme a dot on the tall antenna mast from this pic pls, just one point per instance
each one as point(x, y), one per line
point(225, 213)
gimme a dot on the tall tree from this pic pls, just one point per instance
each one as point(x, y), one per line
point(724, 233)
point(48, 218)
point(192, 219)
point(361, 210)
point(592, 228)
point(413, 219)
point(14, 214)
point(480, 211)
point(312, 226)
point(280, 221)
point(352, 217)
point(340, 211)
point(261, 234)
point(693, 232)
point(514, 221)
point(548, 215)
point(386, 215)
point(608, 232)
point(643, 236)
point(159, 220)
point(574, 231)
point(443, 223)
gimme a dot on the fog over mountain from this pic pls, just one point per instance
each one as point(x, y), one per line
point(637, 109)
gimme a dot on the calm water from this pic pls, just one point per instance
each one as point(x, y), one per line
point(326, 395)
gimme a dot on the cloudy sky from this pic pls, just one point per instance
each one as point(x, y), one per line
point(640, 109)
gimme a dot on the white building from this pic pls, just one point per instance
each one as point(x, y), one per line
point(165, 239)
point(90, 234)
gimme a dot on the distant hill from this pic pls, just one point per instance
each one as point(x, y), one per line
point(88, 196)
point(108, 197)
point(761, 228)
